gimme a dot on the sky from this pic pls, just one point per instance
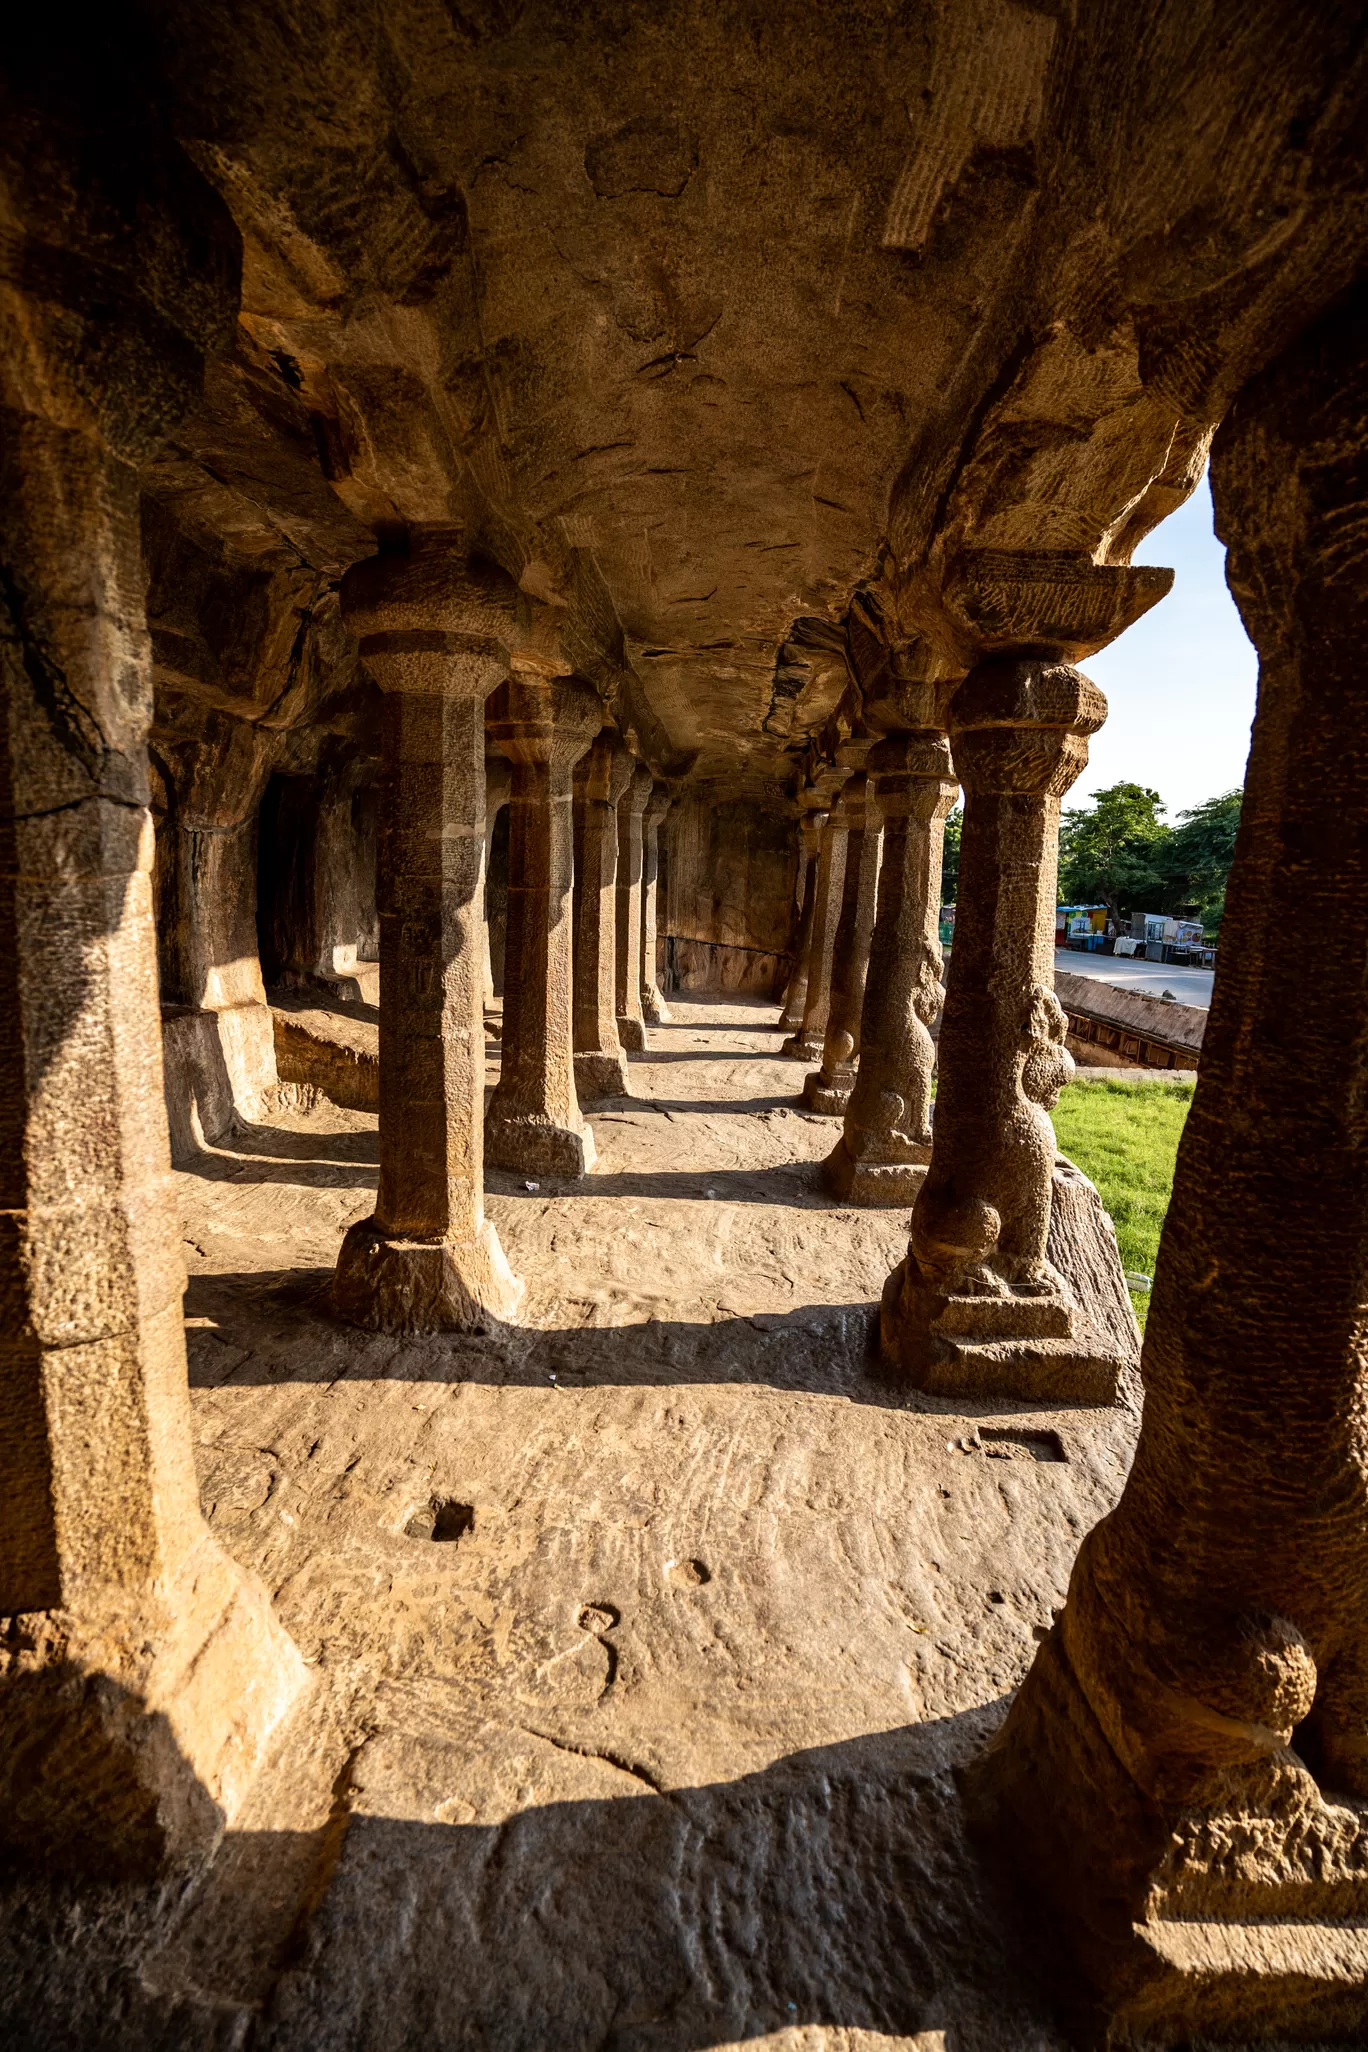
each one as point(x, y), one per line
point(1180, 682)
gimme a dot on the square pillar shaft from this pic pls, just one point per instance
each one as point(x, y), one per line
point(433, 634)
point(143, 1671)
point(533, 1125)
point(631, 1020)
point(885, 1145)
point(601, 778)
point(807, 1041)
point(654, 1009)
point(828, 1089)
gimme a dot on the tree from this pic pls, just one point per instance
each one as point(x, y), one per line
point(1197, 855)
point(950, 861)
point(1109, 854)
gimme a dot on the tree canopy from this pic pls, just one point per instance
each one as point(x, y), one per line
point(950, 859)
point(1120, 852)
point(1108, 852)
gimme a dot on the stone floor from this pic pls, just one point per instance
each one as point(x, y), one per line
point(646, 1638)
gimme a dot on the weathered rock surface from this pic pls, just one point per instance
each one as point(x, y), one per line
point(646, 1637)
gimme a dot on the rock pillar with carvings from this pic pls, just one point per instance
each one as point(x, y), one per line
point(436, 635)
point(654, 1009)
point(978, 1306)
point(810, 827)
point(631, 1021)
point(498, 790)
point(142, 1671)
point(1182, 1782)
point(881, 1156)
point(544, 721)
point(807, 1042)
point(601, 778)
point(828, 1089)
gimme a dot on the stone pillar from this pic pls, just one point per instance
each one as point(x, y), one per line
point(808, 1041)
point(828, 1089)
point(336, 898)
point(434, 636)
point(809, 851)
point(601, 778)
point(1182, 1777)
point(142, 1671)
point(544, 723)
point(654, 1009)
point(978, 1307)
point(218, 1035)
point(631, 1021)
point(498, 790)
point(881, 1156)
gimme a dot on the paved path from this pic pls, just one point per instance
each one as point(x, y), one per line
point(1189, 986)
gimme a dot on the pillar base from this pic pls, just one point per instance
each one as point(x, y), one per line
point(829, 1095)
point(535, 1147)
point(601, 1075)
point(129, 1740)
point(1163, 1925)
point(388, 1284)
point(655, 1008)
point(872, 1185)
point(789, 1020)
point(1069, 1346)
point(802, 1050)
point(632, 1034)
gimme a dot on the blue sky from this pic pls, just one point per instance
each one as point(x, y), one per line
point(1180, 683)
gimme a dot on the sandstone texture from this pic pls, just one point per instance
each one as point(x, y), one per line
point(624, 1602)
point(633, 1630)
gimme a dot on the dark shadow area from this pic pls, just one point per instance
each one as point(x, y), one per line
point(835, 1888)
point(704, 1054)
point(788, 1182)
point(274, 1154)
point(716, 1106)
point(272, 1326)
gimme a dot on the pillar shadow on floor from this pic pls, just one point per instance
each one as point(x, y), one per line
point(350, 1160)
point(269, 1328)
point(832, 1889)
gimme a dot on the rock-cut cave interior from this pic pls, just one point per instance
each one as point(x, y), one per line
point(580, 1474)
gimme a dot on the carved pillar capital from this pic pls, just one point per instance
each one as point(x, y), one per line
point(603, 774)
point(428, 619)
point(546, 720)
point(1022, 727)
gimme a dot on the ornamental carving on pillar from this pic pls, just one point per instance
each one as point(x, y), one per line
point(979, 1302)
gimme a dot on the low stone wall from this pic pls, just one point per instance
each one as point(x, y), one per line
point(1124, 1028)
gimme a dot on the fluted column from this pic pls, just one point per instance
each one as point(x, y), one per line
point(631, 1022)
point(654, 1009)
point(1181, 1780)
point(601, 777)
point(544, 723)
point(881, 1156)
point(498, 789)
point(142, 1671)
point(828, 1088)
point(977, 1279)
point(435, 636)
point(808, 1041)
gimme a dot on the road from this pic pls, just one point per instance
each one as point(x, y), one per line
point(1189, 986)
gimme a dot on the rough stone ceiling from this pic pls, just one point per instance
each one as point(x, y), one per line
point(702, 316)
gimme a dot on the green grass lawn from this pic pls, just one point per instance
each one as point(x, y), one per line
point(1125, 1137)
